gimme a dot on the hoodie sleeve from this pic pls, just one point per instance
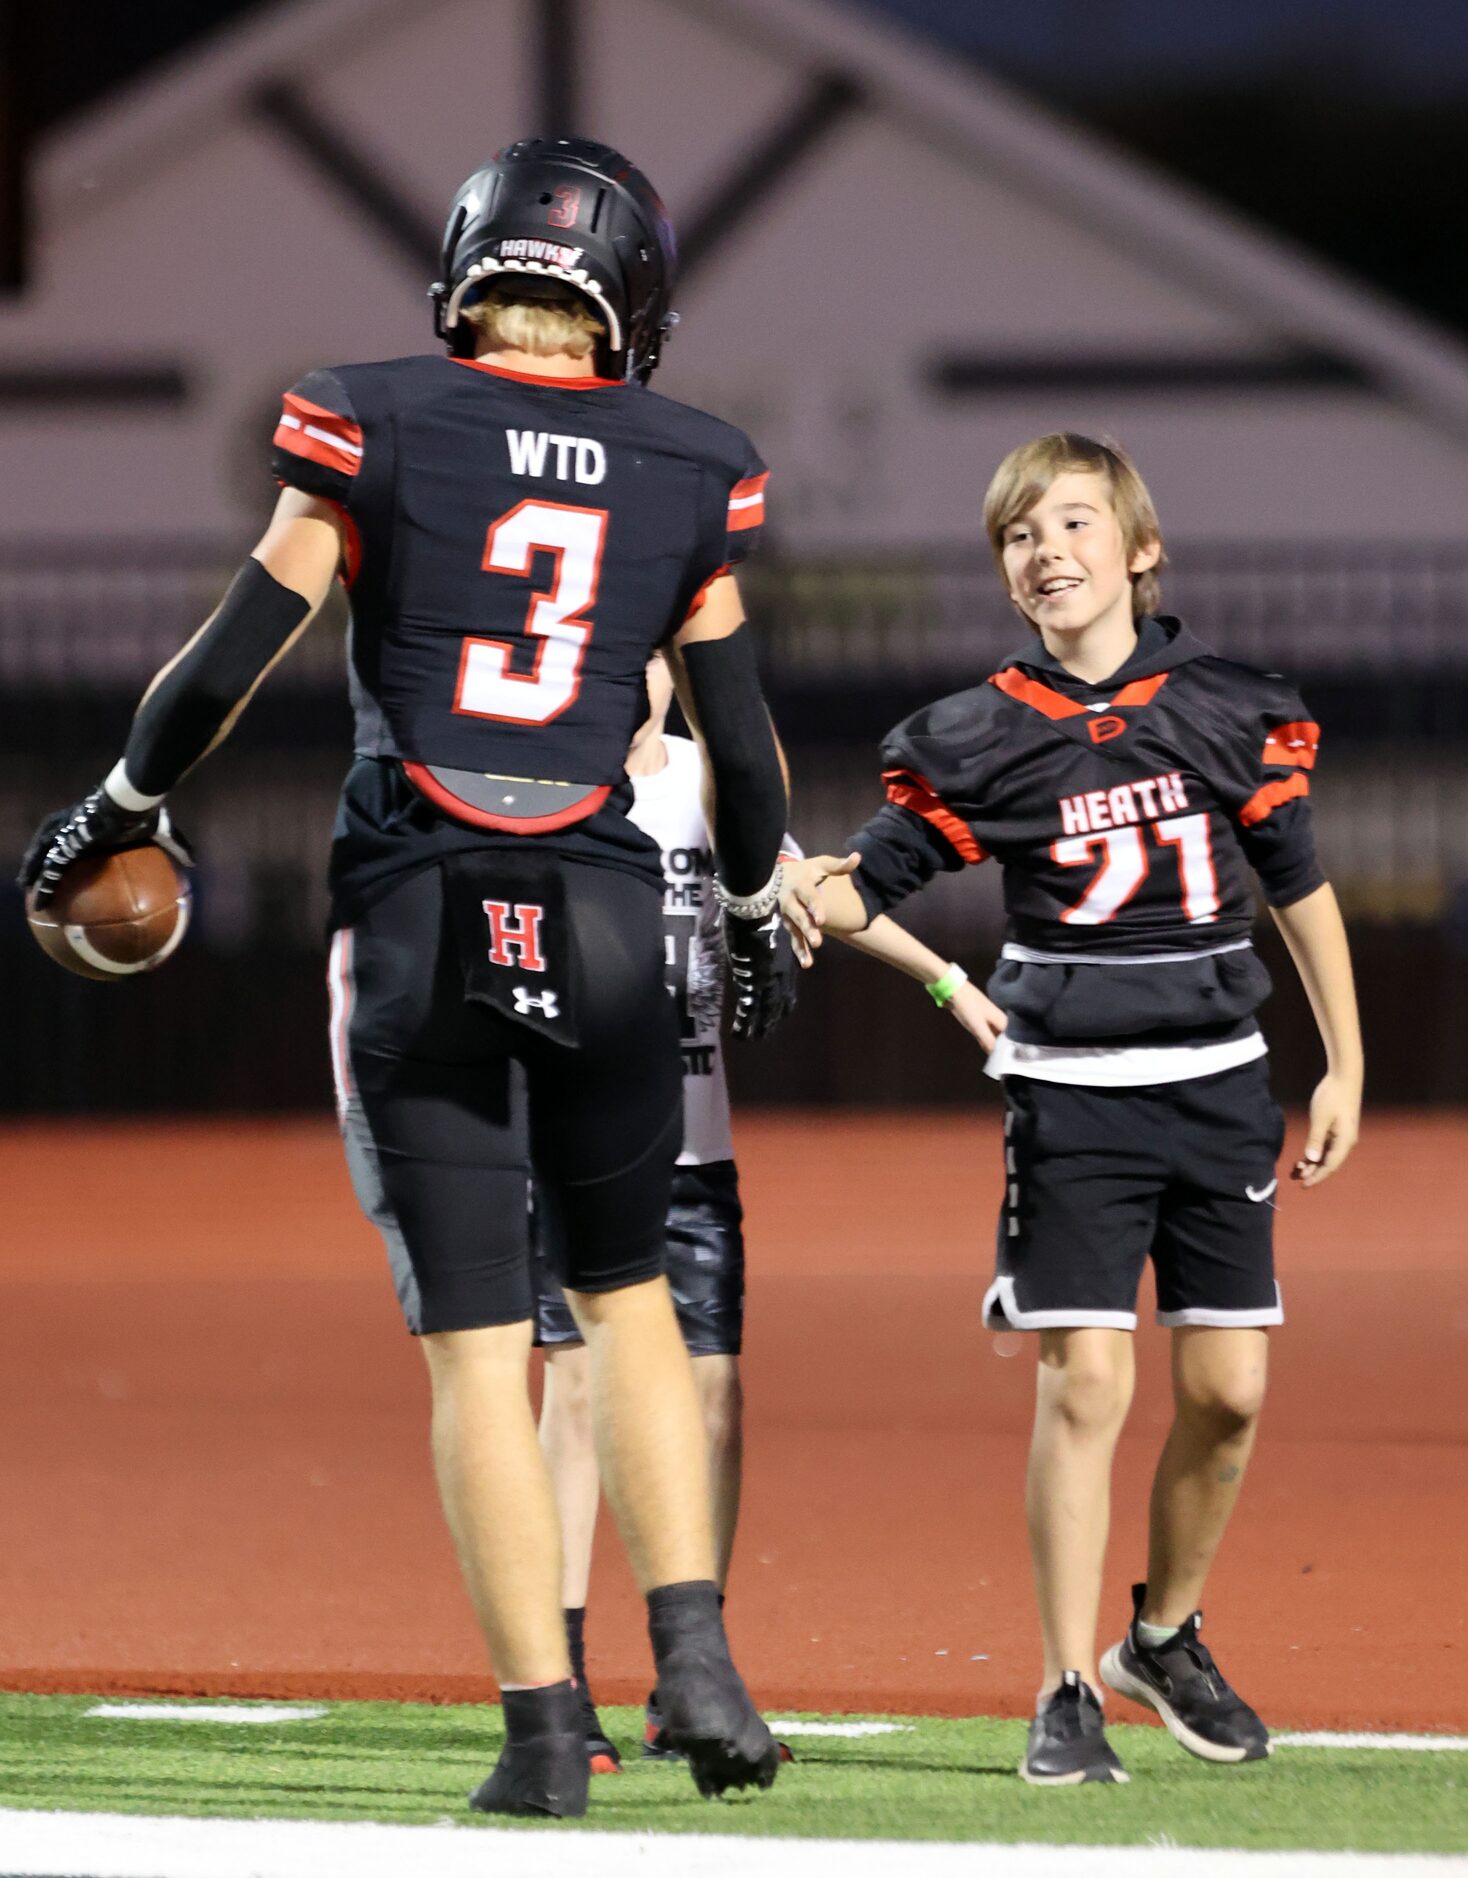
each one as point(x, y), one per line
point(1274, 821)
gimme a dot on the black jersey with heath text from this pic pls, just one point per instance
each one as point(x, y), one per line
point(518, 547)
point(1127, 816)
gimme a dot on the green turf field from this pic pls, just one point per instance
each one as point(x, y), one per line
point(941, 1780)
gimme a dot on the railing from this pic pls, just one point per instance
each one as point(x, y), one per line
point(95, 615)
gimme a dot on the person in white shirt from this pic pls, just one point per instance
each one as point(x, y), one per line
point(705, 1246)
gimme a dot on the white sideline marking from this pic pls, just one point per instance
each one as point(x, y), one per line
point(1421, 1744)
point(847, 1730)
point(107, 1845)
point(228, 1712)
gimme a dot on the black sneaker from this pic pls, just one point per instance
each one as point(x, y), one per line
point(1067, 1743)
point(1180, 1679)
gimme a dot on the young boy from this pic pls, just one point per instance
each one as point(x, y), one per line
point(705, 1221)
point(1126, 779)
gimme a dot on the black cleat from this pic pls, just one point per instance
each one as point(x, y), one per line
point(601, 1754)
point(708, 1718)
point(547, 1776)
point(1181, 1681)
point(654, 1736)
point(1067, 1744)
point(543, 1770)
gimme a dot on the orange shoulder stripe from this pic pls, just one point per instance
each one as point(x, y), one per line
point(325, 437)
point(911, 791)
point(1262, 804)
point(1293, 743)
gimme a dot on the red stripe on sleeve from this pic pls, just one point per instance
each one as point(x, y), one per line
point(1262, 804)
point(703, 592)
point(911, 791)
point(747, 502)
point(1293, 743)
point(322, 436)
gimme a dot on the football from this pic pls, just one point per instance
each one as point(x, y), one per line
point(114, 914)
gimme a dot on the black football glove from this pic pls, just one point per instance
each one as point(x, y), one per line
point(97, 826)
point(763, 967)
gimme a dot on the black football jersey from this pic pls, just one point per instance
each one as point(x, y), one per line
point(1128, 816)
point(518, 548)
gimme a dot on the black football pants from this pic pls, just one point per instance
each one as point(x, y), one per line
point(447, 1106)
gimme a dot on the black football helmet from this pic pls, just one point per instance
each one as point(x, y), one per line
point(564, 209)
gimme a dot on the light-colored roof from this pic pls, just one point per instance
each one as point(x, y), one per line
point(1180, 233)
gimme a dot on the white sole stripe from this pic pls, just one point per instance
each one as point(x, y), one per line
point(105, 1845)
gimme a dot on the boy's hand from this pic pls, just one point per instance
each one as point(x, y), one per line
point(981, 1018)
point(1335, 1122)
point(801, 906)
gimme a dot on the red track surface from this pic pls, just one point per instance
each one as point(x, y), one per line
point(213, 1470)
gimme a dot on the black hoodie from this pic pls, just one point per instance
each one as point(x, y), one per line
point(1126, 816)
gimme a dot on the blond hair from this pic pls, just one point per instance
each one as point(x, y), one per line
point(541, 326)
point(1026, 473)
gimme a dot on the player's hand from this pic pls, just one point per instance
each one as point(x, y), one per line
point(801, 905)
point(96, 826)
point(764, 972)
point(1335, 1122)
point(980, 1016)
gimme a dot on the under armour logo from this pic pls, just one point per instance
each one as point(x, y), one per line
point(525, 1002)
point(1264, 1192)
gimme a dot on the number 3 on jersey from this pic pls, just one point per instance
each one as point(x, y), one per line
point(487, 687)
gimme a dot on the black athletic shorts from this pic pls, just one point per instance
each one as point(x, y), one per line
point(1099, 1180)
point(705, 1266)
point(448, 1100)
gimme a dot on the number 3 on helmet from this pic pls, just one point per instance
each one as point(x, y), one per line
point(569, 210)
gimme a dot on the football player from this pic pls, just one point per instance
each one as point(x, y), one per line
point(522, 524)
point(705, 1220)
point(1127, 781)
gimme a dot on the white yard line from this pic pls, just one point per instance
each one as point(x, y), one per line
point(1421, 1744)
point(52, 1845)
point(845, 1730)
point(232, 1714)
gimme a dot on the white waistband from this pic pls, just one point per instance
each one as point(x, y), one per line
point(1029, 956)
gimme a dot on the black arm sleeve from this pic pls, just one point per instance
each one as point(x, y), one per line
point(182, 715)
point(1281, 851)
point(750, 803)
point(900, 852)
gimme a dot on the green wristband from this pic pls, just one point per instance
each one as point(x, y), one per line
point(942, 989)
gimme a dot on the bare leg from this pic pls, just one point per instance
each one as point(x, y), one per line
point(1218, 1379)
point(649, 1436)
point(721, 1397)
point(1084, 1390)
point(497, 1498)
point(568, 1442)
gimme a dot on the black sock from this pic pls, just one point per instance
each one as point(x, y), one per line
point(547, 1711)
point(576, 1642)
point(684, 1613)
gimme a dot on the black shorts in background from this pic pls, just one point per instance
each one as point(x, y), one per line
point(705, 1266)
point(1098, 1180)
point(449, 1104)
